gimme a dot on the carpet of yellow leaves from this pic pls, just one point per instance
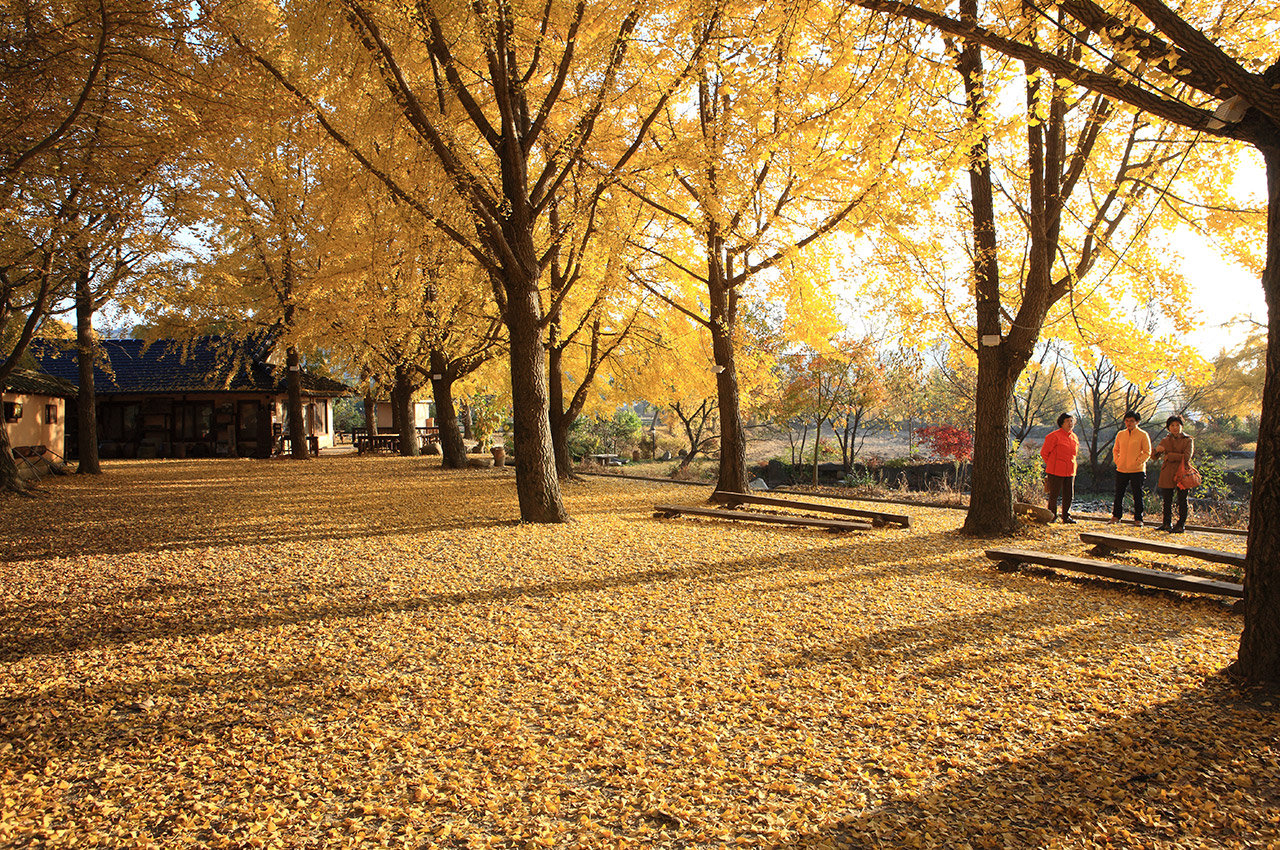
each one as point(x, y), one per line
point(363, 652)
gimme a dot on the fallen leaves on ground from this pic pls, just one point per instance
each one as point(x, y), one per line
point(363, 652)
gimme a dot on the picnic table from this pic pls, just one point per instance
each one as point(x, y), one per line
point(390, 440)
point(285, 444)
point(373, 442)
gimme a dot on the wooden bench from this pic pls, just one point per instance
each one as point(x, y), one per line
point(1200, 529)
point(1115, 542)
point(877, 518)
point(668, 511)
point(1010, 559)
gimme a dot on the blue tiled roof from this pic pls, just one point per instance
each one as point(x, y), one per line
point(39, 383)
point(205, 364)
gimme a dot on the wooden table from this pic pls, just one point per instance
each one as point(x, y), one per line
point(367, 442)
point(286, 444)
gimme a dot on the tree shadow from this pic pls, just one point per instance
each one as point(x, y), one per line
point(1160, 777)
point(161, 609)
point(168, 607)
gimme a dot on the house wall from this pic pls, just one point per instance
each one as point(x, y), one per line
point(203, 424)
point(34, 428)
point(319, 417)
point(422, 411)
point(182, 425)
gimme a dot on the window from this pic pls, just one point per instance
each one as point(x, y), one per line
point(119, 422)
point(248, 429)
point(193, 420)
point(51, 414)
point(12, 411)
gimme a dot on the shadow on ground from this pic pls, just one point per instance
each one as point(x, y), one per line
point(1165, 776)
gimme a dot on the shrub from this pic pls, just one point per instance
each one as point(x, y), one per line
point(583, 440)
point(1210, 443)
point(1026, 476)
point(1215, 496)
point(861, 479)
point(947, 442)
point(596, 434)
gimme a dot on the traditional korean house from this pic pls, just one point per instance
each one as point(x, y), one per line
point(213, 396)
point(35, 412)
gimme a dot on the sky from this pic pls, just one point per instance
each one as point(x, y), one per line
point(1222, 290)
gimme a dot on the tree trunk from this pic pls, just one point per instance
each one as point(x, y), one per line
point(86, 396)
point(733, 444)
point(1258, 661)
point(452, 450)
point(297, 421)
point(561, 422)
point(817, 447)
point(370, 414)
point(990, 496)
point(265, 436)
point(395, 406)
point(10, 480)
point(404, 401)
point(537, 486)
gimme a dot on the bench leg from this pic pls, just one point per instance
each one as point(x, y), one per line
point(1007, 566)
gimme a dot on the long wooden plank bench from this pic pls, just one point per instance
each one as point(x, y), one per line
point(1010, 559)
point(732, 500)
point(1120, 543)
point(1200, 529)
point(668, 511)
point(851, 498)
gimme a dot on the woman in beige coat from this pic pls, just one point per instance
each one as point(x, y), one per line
point(1173, 450)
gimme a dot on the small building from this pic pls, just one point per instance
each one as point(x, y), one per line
point(214, 396)
point(423, 413)
point(35, 411)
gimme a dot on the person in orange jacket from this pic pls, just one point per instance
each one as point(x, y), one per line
point(1059, 452)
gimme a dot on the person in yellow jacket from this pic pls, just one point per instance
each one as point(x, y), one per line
point(1130, 450)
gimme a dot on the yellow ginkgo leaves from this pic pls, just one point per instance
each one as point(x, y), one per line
point(364, 652)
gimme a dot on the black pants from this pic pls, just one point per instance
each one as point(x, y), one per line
point(1064, 485)
point(1168, 492)
point(1132, 481)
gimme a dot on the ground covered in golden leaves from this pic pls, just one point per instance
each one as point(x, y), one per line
point(362, 652)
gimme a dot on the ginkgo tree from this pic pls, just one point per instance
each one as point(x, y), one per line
point(97, 99)
point(1234, 388)
point(785, 139)
point(596, 321)
point(1041, 392)
point(508, 99)
point(836, 387)
point(424, 319)
point(1059, 191)
point(273, 194)
point(1177, 64)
